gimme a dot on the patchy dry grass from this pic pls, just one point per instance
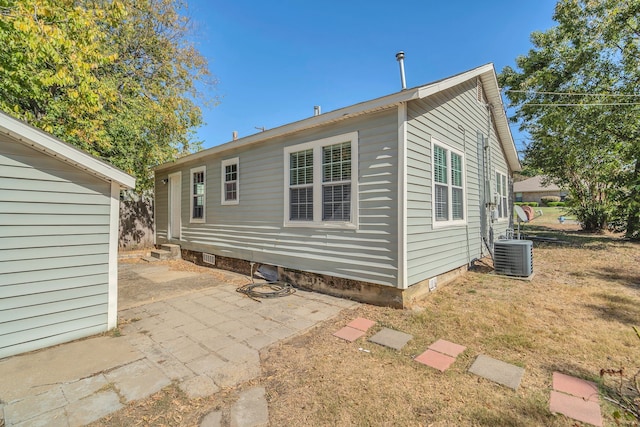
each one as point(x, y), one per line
point(575, 316)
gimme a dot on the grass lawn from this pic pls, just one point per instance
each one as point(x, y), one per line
point(575, 317)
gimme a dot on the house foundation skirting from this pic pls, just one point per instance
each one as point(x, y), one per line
point(356, 290)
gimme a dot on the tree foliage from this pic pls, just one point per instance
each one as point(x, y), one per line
point(577, 93)
point(116, 78)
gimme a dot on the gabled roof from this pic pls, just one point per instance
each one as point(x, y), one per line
point(52, 146)
point(533, 185)
point(487, 76)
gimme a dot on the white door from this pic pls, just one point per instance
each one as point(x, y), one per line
point(175, 224)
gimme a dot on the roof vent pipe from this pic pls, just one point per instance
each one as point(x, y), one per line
point(234, 135)
point(316, 110)
point(400, 59)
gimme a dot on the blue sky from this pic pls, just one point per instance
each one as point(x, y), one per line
point(275, 60)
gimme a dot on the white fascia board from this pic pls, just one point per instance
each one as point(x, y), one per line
point(52, 146)
point(448, 83)
point(485, 72)
point(490, 84)
point(311, 122)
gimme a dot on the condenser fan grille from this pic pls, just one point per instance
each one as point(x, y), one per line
point(513, 257)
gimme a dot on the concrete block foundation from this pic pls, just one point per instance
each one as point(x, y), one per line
point(355, 290)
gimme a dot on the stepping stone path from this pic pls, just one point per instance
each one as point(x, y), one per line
point(497, 371)
point(572, 397)
point(576, 399)
point(354, 329)
point(440, 355)
point(390, 338)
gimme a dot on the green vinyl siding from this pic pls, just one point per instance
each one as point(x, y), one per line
point(54, 250)
point(452, 117)
point(254, 228)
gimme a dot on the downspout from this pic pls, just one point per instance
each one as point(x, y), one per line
point(486, 147)
point(464, 147)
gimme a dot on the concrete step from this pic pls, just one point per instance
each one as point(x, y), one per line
point(174, 249)
point(161, 254)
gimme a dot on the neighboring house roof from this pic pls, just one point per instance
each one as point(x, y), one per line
point(534, 185)
point(52, 146)
point(487, 76)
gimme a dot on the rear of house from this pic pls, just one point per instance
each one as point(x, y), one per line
point(58, 240)
point(369, 202)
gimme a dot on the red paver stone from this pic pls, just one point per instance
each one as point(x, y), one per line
point(447, 347)
point(575, 386)
point(576, 408)
point(361, 323)
point(435, 360)
point(349, 334)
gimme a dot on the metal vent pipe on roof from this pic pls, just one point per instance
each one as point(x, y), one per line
point(234, 135)
point(400, 59)
point(316, 110)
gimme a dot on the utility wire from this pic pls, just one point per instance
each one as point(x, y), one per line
point(570, 93)
point(579, 105)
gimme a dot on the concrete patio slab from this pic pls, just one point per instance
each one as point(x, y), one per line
point(138, 379)
point(251, 409)
point(584, 389)
point(348, 333)
point(361, 323)
point(199, 386)
point(447, 347)
point(23, 375)
point(93, 407)
point(212, 419)
point(435, 360)
point(497, 371)
point(576, 408)
point(195, 330)
point(390, 338)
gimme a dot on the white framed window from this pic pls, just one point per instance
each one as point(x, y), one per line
point(321, 181)
point(449, 207)
point(501, 195)
point(198, 193)
point(230, 181)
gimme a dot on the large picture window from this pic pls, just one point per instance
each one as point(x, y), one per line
point(448, 185)
point(320, 181)
point(230, 181)
point(198, 194)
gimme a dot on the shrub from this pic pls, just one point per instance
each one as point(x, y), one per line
point(549, 199)
point(532, 204)
point(556, 204)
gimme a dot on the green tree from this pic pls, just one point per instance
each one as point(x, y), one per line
point(116, 78)
point(577, 93)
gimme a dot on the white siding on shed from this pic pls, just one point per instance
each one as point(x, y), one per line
point(54, 250)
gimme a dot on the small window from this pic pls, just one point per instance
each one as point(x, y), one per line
point(448, 185)
point(198, 194)
point(319, 187)
point(501, 196)
point(230, 181)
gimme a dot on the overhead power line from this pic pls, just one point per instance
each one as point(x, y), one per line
point(589, 104)
point(572, 93)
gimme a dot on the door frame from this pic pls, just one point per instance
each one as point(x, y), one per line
point(174, 206)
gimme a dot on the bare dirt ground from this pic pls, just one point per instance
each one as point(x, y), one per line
point(575, 316)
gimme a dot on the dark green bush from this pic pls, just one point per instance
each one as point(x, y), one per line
point(547, 200)
point(556, 204)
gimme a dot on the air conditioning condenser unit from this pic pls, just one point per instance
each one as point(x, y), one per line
point(513, 257)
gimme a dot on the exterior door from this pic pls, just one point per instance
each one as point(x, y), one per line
point(175, 223)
